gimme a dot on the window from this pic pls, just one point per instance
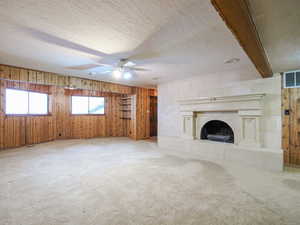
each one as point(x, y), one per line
point(87, 105)
point(19, 102)
point(38, 103)
point(291, 79)
point(96, 105)
point(80, 105)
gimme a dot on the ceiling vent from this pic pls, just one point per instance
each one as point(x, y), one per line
point(291, 79)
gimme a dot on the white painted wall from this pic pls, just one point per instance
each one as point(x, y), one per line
point(225, 84)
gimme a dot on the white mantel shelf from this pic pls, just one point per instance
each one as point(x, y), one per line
point(232, 98)
point(223, 103)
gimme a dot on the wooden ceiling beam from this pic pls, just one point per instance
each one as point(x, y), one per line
point(237, 16)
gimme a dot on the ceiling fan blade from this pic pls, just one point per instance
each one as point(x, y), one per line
point(84, 67)
point(105, 72)
point(144, 55)
point(105, 69)
point(52, 39)
point(138, 69)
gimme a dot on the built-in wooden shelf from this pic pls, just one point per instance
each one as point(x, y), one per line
point(126, 98)
point(125, 107)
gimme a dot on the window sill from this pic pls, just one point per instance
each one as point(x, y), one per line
point(87, 114)
point(27, 115)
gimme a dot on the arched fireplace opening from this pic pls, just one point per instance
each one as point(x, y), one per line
point(216, 130)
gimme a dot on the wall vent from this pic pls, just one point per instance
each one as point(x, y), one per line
point(291, 79)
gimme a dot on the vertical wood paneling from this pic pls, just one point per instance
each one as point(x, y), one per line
point(291, 125)
point(60, 124)
point(39, 77)
point(87, 126)
point(4, 72)
point(286, 125)
point(141, 111)
point(62, 113)
point(39, 129)
point(12, 132)
point(1, 114)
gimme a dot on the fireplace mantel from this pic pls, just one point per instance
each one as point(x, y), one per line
point(222, 103)
point(246, 97)
point(248, 108)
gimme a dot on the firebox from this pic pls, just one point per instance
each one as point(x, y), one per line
point(217, 130)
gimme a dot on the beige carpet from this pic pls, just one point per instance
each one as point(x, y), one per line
point(116, 181)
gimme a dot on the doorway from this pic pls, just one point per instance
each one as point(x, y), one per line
point(153, 116)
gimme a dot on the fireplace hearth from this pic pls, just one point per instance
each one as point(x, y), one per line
point(216, 130)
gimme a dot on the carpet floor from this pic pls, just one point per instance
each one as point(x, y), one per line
point(116, 181)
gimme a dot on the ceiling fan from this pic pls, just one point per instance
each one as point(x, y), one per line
point(122, 68)
point(117, 64)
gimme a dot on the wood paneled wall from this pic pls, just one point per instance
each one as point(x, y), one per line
point(17, 131)
point(152, 92)
point(60, 124)
point(20, 130)
point(46, 78)
point(141, 117)
point(291, 125)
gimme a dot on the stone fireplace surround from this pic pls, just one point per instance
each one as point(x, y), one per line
point(243, 113)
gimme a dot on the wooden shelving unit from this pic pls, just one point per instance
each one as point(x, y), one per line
point(125, 107)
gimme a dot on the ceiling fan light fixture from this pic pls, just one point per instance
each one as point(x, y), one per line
point(117, 73)
point(129, 64)
point(127, 75)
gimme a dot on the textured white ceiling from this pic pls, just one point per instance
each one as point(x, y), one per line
point(173, 39)
point(277, 22)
